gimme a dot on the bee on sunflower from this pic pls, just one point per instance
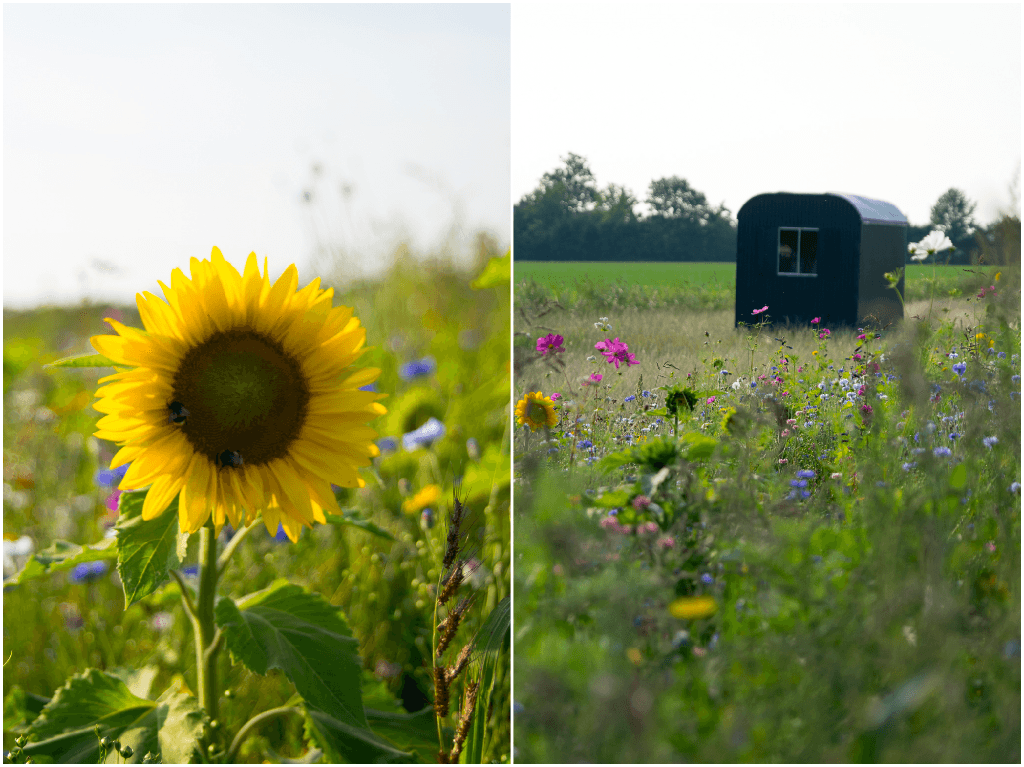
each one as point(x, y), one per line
point(239, 397)
point(536, 411)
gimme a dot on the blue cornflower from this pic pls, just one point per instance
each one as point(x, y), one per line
point(387, 444)
point(1015, 487)
point(552, 450)
point(753, 384)
point(417, 368)
point(952, 355)
point(798, 483)
point(281, 536)
point(909, 465)
point(707, 579)
point(630, 398)
point(110, 477)
point(806, 474)
point(646, 393)
point(584, 444)
point(427, 518)
point(1015, 378)
point(517, 707)
point(990, 441)
point(87, 572)
point(804, 494)
point(954, 435)
point(942, 451)
point(991, 350)
point(960, 368)
point(424, 436)
point(1001, 355)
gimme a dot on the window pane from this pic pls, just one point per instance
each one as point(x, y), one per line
point(787, 250)
point(808, 252)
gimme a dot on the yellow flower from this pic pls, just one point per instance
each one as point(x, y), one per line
point(535, 410)
point(693, 608)
point(425, 497)
point(998, 275)
point(240, 398)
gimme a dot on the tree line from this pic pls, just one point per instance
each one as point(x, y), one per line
point(568, 218)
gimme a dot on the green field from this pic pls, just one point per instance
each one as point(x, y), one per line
point(663, 273)
point(648, 273)
point(588, 286)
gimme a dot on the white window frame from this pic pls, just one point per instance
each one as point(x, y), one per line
point(799, 230)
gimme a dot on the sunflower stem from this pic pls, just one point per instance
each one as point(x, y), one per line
point(238, 537)
point(207, 639)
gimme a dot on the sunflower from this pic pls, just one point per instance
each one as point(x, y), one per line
point(536, 410)
point(239, 397)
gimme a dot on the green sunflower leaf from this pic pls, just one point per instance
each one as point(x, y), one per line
point(83, 361)
point(21, 708)
point(303, 635)
point(65, 730)
point(416, 732)
point(146, 551)
point(350, 517)
point(347, 743)
point(60, 556)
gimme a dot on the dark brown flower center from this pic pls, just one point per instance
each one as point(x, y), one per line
point(245, 397)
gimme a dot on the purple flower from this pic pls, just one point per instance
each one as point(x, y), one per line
point(88, 572)
point(762, 309)
point(417, 368)
point(552, 342)
point(387, 444)
point(616, 352)
point(110, 477)
point(960, 368)
point(942, 452)
point(806, 474)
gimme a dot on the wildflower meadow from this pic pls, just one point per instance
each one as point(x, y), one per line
point(768, 542)
point(284, 536)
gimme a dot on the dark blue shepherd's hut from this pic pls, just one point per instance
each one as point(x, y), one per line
point(819, 255)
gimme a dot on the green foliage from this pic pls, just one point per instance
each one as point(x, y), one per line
point(287, 628)
point(853, 516)
point(93, 705)
point(83, 361)
point(61, 556)
point(344, 742)
point(147, 550)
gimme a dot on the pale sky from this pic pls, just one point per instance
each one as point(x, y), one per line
point(138, 136)
point(894, 102)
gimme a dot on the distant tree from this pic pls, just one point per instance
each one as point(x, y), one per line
point(617, 204)
point(673, 197)
point(955, 214)
point(575, 183)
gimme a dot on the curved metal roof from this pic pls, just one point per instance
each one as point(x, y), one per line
point(873, 211)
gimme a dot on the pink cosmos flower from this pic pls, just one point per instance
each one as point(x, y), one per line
point(711, 401)
point(555, 395)
point(667, 542)
point(550, 343)
point(596, 377)
point(762, 309)
point(616, 352)
point(816, 320)
point(861, 337)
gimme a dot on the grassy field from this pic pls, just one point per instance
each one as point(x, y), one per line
point(596, 286)
point(379, 566)
point(769, 544)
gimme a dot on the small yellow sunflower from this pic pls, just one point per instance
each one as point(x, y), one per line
point(535, 410)
point(240, 398)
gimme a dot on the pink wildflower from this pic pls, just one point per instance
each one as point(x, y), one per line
point(550, 343)
point(816, 320)
point(667, 542)
point(762, 309)
point(596, 377)
point(711, 401)
point(641, 502)
point(555, 395)
point(783, 461)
